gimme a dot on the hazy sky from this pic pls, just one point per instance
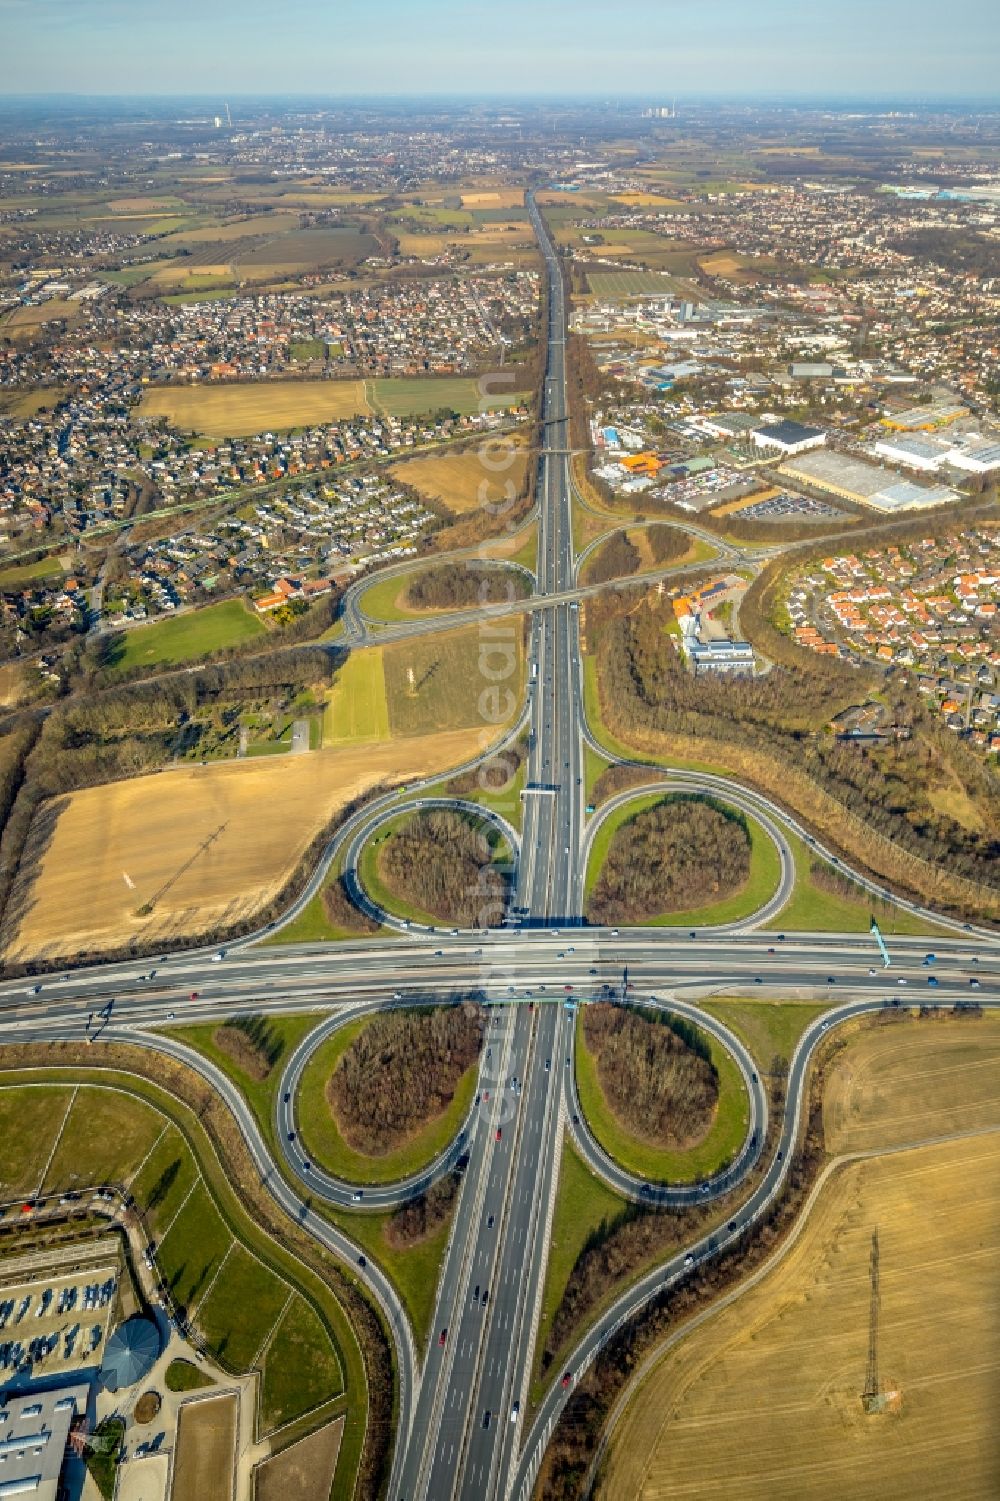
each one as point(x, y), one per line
point(646, 47)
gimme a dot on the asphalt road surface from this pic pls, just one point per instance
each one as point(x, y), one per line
point(462, 1402)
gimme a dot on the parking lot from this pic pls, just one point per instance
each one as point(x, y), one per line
point(56, 1324)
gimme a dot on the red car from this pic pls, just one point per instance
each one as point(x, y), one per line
point(499, 1133)
point(567, 987)
point(442, 1336)
point(194, 995)
point(567, 1378)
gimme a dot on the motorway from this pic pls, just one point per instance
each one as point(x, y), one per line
point(489, 1293)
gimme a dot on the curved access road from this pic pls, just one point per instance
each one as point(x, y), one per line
point(674, 1195)
point(670, 1273)
point(366, 828)
point(735, 797)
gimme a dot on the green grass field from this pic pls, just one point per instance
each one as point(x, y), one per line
point(765, 872)
point(404, 396)
point(327, 1146)
point(767, 1028)
point(429, 683)
point(451, 671)
point(619, 286)
point(43, 570)
point(185, 638)
point(240, 1311)
point(810, 909)
point(357, 708)
point(583, 1201)
point(720, 1144)
point(286, 1032)
point(300, 1367)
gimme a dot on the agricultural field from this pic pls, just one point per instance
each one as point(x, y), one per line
point(235, 411)
point(192, 849)
point(29, 403)
point(409, 396)
point(769, 1388)
point(462, 481)
point(424, 686)
point(186, 637)
point(24, 320)
point(619, 286)
point(240, 410)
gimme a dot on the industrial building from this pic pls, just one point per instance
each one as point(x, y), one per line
point(734, 658)
point(863, 483)
point(969, 451)
point(788, 436)
point(34, 1434)
point(925, 418)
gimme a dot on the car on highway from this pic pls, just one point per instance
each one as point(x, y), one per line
point(357, 1196)
point(566, 1380)
point(218, 958)
point(515, 1409)
point(499, 1133)
point(442, 1337)
point(490, 1221)
point(689, 1260)
point(487, 1415)
point(932, 979)
point(287, 1096)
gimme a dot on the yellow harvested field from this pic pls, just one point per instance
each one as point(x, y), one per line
point(421, 245)
point(122, 847)
point(466, 481)
point(141, 205)
point(722, 263)
point(40, 312)
point(905, 1083)
point(236, 411)
point(763, 1399)
point(646, 200)
point(502, 198)
point(206, 1449)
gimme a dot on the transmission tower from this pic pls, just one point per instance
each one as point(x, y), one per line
point(870, 1396)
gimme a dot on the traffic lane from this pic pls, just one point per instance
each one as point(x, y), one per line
point(470, 1215)
point(515, 1395)
point(820, 962)
point(673, 1271)
point(517, 1256)
point(457, 1418)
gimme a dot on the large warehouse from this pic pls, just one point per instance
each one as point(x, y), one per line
point(788, 436)
point(863, 483)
